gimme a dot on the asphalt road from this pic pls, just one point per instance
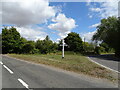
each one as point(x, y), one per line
point(22, 74)
point(107, 60)
point(0, 73)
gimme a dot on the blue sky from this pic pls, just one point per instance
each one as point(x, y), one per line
point(36, 19)
point(79, 11)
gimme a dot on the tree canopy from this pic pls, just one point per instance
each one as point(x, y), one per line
point(11, 40)
point(109, 32)
point(74, 42)
point(46, 46)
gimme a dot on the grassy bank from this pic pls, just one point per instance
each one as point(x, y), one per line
point(76, 63)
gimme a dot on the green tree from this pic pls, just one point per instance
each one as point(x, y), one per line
point(74, 41)
point(89, 47)
point(11, 40)
point(109, 32)
point(46, 46)
point(39, 45)
point(28, 47)
point(54, 47)
point(97, 50)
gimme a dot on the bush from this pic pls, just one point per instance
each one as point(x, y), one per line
point(35, 51)
point(97, 50)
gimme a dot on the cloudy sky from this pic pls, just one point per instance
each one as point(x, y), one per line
point(34, 19)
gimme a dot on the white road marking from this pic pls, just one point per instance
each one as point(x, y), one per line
point(23, 83)
point(103, 65)
point(8, 69)
point(1, 62)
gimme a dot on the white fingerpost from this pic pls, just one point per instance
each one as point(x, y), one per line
point(63, 48)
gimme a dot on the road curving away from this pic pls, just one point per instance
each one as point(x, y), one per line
point(30, 75)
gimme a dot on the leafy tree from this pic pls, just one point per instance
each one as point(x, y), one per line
point(47, 38)
point(28, 47)
point(23, 41)
point(89, 47)
point(59, 45)
point(97, 50)
point(46, 46)
point(74, 41)
point(39, 45)
point(109, 32)
point(54, 47)
point(11, 40)
point(105, 46)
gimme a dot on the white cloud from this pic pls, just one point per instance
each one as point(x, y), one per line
point(94, 25)
point(57, 40)
point(24, 14)
point(88, 2)
point(31, 34)
point(107, 8)
point(27, 12)
point(95, 9)
point(63, 25)
point(90, 16)
point(87, 36)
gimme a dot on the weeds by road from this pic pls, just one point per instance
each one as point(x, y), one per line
point(76, 63)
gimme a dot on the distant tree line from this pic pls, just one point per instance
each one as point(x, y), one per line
point(107, 32)
point(12, 42)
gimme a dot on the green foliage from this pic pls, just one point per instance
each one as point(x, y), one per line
point(39, 45)
point(97, 50)
point(74, 42)
point(28, 47)
point(88, 47)
point(104, 48)
point(109, 32)
point(46, 46)
point(11, 40)
point(59, 45)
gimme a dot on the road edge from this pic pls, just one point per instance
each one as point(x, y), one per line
point(102, 65)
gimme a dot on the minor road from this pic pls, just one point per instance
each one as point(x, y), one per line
point(23, 74)
point(107, 60)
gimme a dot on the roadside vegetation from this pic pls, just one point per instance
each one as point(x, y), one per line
point(108, 33)
point(48, 52)
point(72, 62)
point(12, 42)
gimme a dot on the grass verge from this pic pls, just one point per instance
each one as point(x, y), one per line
point(76, 63)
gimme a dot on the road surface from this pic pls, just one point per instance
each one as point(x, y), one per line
point(107, 60)
point(22, 74)
point(0, 73)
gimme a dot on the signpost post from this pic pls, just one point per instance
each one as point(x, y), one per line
point(63, 45)
point(63, 48)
